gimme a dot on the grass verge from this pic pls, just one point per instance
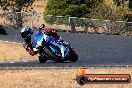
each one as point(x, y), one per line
point(13, 51)
point(56, 78)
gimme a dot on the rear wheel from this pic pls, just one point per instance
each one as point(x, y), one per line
point(73, 57)
point(42, 59)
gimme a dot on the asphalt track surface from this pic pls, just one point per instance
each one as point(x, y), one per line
point(92, 49)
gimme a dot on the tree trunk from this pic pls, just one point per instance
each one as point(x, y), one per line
point(18, 19)
point(18, 16)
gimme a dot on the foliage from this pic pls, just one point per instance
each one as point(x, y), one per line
point(56, 19)
point(74, 8)
point(130, 4)
point(128, 17)
point(15, 6)
point(113, 13)
point(49, 19)
point(118, 2)
point(122, 2)
point(68, 8)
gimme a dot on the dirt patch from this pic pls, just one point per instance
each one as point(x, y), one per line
point(13, 51)
point(60, 78)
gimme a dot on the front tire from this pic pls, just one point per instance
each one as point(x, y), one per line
point(42, 59)
point(73, 57)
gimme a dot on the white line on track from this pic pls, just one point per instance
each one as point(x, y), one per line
point(10, 42)
point(25, 61)
point(11, 62)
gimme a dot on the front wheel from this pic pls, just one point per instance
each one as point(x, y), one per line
point(73, 57)
point(42, 59)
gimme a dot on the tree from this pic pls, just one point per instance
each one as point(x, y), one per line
point(75, 8)
point(119, 2)
point(16, 6)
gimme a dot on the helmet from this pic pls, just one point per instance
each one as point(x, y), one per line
point(26, 32)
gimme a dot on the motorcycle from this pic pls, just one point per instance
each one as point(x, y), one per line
point(49, 51)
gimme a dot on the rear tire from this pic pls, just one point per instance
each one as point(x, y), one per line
point(42, 59)
point(73, 57)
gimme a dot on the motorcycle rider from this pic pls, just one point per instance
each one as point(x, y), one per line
point(33, 41)
point(26, 34)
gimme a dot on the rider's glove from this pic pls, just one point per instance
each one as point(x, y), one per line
point(32, 52)
point(29, 49)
